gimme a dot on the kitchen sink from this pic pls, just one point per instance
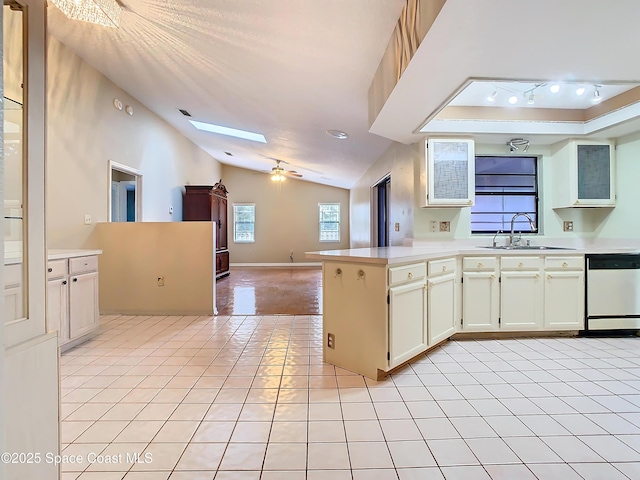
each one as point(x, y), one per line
point(526, 247)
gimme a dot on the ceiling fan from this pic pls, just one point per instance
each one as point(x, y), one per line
point(278, 173)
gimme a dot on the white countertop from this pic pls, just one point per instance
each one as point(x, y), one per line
point(59, 254)
point(426, 251)
point(12, 258)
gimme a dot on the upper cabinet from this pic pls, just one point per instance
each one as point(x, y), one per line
point(583, 174)
point(448, 174)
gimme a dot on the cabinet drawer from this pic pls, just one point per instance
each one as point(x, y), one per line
point(438, 267)
point(479, 263)
point(83, 265)
point(13, 275)
point(521, 263)
point(407, 273)
point(56, 268)
point(564, 263)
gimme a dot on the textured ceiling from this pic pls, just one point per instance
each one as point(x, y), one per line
point(289, 69)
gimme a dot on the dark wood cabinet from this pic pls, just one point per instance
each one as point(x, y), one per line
point(208, 203)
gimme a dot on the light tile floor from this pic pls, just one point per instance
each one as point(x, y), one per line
point(248, 398)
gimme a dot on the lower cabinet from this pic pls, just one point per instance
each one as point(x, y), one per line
point(222, 263)
point(521, 293)
point(407, 325)
point(480, 294)
point(441, 299)
point(72, 298)
point(564, 293)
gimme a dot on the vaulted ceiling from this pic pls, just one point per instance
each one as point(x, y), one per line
point(293, 69)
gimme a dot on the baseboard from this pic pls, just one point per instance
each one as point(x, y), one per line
point(287, 265)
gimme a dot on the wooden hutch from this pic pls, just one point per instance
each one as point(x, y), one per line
point(209, 203)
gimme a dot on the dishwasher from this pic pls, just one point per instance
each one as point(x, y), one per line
point(612, 292)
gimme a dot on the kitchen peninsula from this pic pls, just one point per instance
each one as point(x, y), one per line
point(384, 306)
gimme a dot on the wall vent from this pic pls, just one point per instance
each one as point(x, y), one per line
point(184, 112)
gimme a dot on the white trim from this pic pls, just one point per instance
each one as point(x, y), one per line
point(131, 171)
point(298, 264)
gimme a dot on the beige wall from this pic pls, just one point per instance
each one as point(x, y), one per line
point(403, 163)
point(136, 254)
point(286, 216)
point(85, 131)
point(400, 161)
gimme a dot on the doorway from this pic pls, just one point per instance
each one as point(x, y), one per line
point(381, 195)
point(125, 193)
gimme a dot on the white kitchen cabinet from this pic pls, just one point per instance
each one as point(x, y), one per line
point(407, 322)
point(521, 293)
point(480, 294)
point(448, 173)
point(564, 293)
point(72, 298)
point(58, 308)
point(13, 294)
point(441, 299)
point(584, 174)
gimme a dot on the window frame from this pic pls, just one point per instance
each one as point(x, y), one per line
point(320, 222)
point(235, 222)
point(535, 194)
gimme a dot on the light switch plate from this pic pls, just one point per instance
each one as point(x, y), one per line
point(87, 219)
point(445, 226)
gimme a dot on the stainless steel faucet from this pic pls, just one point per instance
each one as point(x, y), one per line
point(513, 219)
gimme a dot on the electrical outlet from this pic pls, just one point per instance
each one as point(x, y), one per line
point(567, 226)
point(87, 219)
point(331, 340)
point(397, 227)
point(161, 281)
point(170, 210)
point(434, 226)
point(445, 226)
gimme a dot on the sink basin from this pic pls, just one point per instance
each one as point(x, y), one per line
point(526, 247)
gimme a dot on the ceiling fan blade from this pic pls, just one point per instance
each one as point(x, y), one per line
point(291, 173)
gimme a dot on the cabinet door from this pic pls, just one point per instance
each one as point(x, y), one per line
point(407, 325)
point(594, 164)
point(196, 203)
point(441, 307)
point(222, 224)
point(83, 304)
point(480, 301)
point(13, 303)
point(450, 172)
point(58, 308)
point(564, 300)
point(521, 300)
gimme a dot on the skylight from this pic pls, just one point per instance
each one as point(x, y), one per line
point(232, 132)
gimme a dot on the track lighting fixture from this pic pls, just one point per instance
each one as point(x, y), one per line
point(596, 95)
point(513, 99)
point(492, 98)
point(580, 90)
point(531, 100)
point(555, 88)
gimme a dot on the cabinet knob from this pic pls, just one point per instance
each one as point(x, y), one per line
point(361, 275)
point(444, 268)
point(64, 282)
point(520, 264)
point(469, 202)
point(565, 264)
point(549, 277)
point(49, 269)
point(480, 265)
point(410, 276)
point(75, 279)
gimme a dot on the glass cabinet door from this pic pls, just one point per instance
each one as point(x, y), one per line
point(450, 166)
